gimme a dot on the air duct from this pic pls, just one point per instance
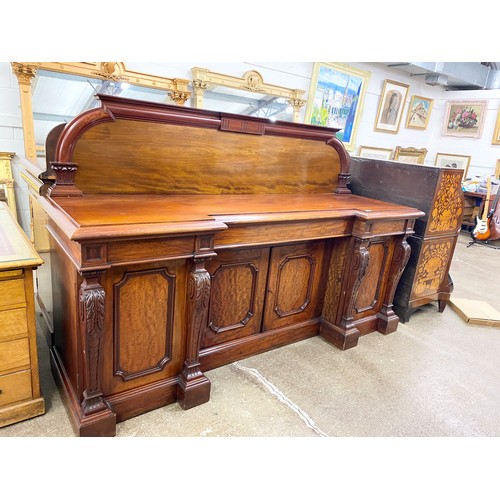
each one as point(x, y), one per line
point(453, 75)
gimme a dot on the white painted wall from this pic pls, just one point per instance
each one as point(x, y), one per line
point(297, 75)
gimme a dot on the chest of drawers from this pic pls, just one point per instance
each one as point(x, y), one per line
point(20, 396)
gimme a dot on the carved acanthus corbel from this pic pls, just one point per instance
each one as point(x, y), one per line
point(92, 300)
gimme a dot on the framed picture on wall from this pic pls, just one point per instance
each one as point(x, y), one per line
point(375, 153)
point(496, 133)
point(336, 99)
point(410, 155)
point(464, 118)
point(419, 112)
point(391, 105)
point(453, 161)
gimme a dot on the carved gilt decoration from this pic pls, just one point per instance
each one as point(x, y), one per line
point(204, 79)
point(176, 89)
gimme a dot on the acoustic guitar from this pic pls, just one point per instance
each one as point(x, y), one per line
point(482, 229)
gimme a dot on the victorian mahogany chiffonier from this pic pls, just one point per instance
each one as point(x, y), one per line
point(437, 191)
point(184, 239)
point(20, 396)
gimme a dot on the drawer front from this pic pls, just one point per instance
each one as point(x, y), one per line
point(11, 293)
point(13, 323)
point(15, 387)
point(14, 354)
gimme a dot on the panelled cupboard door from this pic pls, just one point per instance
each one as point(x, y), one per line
point(294, 283)
point(238, 284)
point(143, 339)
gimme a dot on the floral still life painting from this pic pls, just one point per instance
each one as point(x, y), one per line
point(336, 99)
point(464, 118)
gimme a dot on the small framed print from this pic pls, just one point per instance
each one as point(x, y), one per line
point(419, 112)
point(464, 118)
point(391, 105)
point(375, 153)
point(453, 161)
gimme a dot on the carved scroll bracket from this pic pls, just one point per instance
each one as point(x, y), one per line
point(92, 300)
point(357, 269)
point(388, 320)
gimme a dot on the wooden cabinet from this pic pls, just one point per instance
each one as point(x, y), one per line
point(437, 192)
point(182, 240)
point(20, 396)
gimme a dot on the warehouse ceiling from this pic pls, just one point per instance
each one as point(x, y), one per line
point(453, 75)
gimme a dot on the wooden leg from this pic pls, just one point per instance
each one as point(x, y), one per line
point(442, 305)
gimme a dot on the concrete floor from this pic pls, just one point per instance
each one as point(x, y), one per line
point(437, 376)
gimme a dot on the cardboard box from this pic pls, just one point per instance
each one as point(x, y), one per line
point(476, 312)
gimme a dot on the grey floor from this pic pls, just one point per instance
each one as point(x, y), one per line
point(437, 376)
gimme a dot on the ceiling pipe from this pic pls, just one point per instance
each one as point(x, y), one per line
point(454, 75)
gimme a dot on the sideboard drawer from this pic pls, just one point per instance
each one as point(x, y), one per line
point(15, 387)
point(14, 354)
point(14, 323)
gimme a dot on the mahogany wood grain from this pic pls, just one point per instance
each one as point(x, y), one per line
point(237, 296)
point(203, 162)
point(295, 279)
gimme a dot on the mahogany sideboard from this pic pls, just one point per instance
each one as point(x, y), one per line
point(184, 239)
point(437, 191)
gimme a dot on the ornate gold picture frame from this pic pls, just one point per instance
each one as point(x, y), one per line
point(410, 155)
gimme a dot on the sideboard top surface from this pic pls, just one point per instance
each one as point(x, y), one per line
point(94, 215)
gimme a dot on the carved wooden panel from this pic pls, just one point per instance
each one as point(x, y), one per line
point(334, 282)
point(295, 277)
point(447, 209)
point(432, 268)
point(370, 293)
point(143, 302)
point(237, 295)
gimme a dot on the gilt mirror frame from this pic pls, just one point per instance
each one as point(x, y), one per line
point(251, 81)
point(176, 88)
